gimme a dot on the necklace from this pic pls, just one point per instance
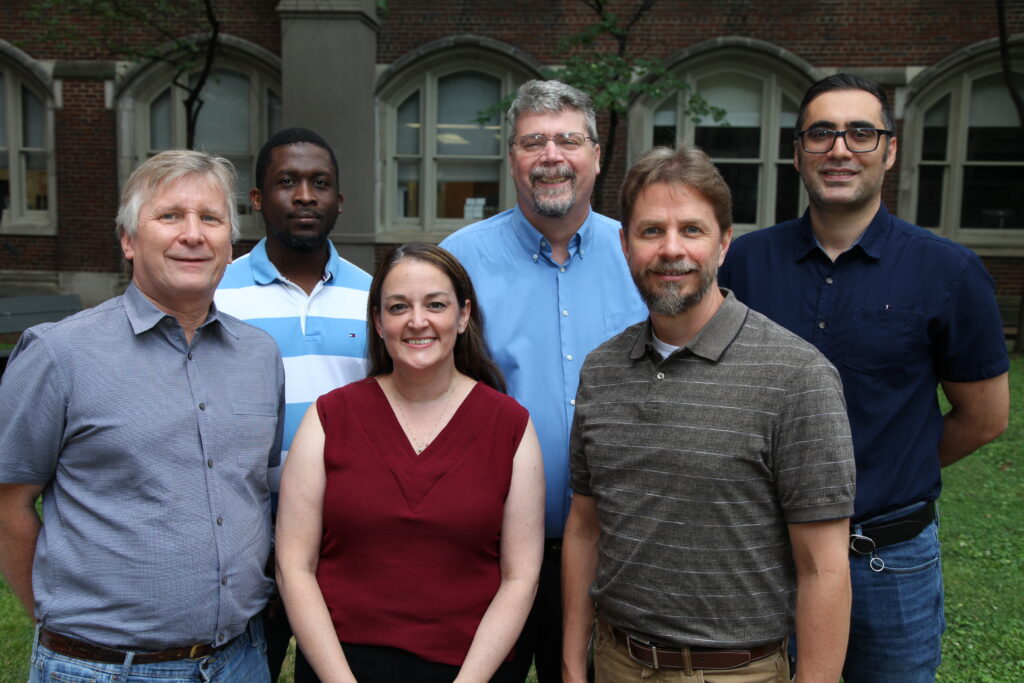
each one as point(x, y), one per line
point(420, 446)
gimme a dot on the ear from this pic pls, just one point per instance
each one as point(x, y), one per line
point(376, 322)
point(464, 313)
point(624, 241)
point(341, 200)
point(256, 199)
point(796, 155)
point(726, 241)
point(597, 157)
point(891, 153)
point(127, 245)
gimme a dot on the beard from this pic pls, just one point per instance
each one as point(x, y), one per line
point(670, 301)
point(547, 202)
point(304, 243)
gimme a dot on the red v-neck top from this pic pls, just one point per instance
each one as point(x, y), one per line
point(409, 556)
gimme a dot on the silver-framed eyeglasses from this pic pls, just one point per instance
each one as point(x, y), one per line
point(858, 140)
point(567, 142)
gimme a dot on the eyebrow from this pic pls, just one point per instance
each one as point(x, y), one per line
point(161, 209)
point(403, 297)
point(850, 124)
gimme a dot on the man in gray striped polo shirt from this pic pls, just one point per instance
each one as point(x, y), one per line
point(712, 467)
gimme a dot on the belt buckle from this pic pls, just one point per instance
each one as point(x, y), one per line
point(632, 642)
point(192, 652)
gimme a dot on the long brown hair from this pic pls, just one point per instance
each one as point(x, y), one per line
point(471, 357)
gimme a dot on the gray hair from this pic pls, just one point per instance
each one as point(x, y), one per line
point(166, 167)
point(550, 97)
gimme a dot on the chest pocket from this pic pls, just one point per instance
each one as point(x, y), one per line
point(880, 340)
point(255, 425)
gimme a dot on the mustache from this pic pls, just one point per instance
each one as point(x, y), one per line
point(680, 267)
point(305, 213)
point(550, 172)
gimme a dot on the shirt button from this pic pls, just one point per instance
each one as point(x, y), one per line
point(565, 313)
point(821, 325)
point(660, 375)
point(828, 280)
point(562, 269)
point(220, 637)
point(536, 256)
point(224, 581)
point(202, 406)
point(220, 521)
point(568, 356)
point(572, 402)
point(209, 463)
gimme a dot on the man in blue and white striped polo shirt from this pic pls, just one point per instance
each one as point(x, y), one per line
point(294, 285)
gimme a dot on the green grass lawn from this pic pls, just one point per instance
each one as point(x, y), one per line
point(983, 560)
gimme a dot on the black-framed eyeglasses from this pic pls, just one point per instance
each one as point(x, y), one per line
point(858, 140)
point(567, 142)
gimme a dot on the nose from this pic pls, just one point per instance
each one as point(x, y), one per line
point(417, 317)
point(839, 148)
point(304, 194)
point(191, 229)
point(673, 246)
point(552, 152)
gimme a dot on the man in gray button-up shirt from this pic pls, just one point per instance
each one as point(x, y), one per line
point(147, 424)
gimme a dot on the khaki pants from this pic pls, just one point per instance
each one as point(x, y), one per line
point(613, 664)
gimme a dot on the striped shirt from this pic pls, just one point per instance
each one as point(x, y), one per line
point(697, 462)
point(322, 336)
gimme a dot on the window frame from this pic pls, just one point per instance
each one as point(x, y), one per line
point(149, 81)
point(18, 219)
point(776, 79)
point(955, 83)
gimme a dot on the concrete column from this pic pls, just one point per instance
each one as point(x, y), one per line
point(329, 56)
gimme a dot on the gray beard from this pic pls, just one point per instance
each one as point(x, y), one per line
point(669, 301)
point(553, 208)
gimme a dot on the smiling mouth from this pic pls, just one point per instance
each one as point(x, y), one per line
point(422, 341)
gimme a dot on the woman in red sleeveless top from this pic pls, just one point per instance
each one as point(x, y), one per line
point(410, 525)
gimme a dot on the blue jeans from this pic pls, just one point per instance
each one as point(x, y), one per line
point(897, 618)
point(244, 661)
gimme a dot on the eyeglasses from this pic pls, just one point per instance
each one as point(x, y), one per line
point(567, 142)
point(858, 140)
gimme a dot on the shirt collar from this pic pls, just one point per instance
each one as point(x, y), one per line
point(143, 315)
point(534, 244)
point(871, 242)
point(264, 272)
point(713, 339)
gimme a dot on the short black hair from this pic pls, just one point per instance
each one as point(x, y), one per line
point(289, 136)
point(848, 81)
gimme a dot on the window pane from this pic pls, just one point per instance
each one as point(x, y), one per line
point(35, 181)
point(992, 197)
point(742, 181)
point(665, 124)
point(243, 165)
point(995, 132)
point(33, 120)
point(408, 196)
point(273, 113)
point(408, 135)
point(5, 185)
point(929, 195)
point(740, 97)
point(936, 132)
point(467, 189)
point(461, 97)
point(160, 122)
point(787, 124)
point(787, 193)
point(224, 124)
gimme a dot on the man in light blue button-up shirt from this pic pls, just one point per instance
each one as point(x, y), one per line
point(552, 284)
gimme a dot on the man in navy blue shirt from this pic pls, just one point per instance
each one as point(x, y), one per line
point(898, 311)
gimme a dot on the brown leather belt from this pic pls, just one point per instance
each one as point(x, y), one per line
point(659, 657)
point(81, 649)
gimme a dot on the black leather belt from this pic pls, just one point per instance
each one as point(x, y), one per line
point(663, 657)
point(894, 531)
point(82, 649)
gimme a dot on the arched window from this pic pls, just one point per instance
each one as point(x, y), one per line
point(966, 146)
point(27, 201)
point(241, 109)
point(753, 147)
point(443, 166)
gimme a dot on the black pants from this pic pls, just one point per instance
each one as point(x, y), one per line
point(541, 639)
point(278, 634)
point(377, 664)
